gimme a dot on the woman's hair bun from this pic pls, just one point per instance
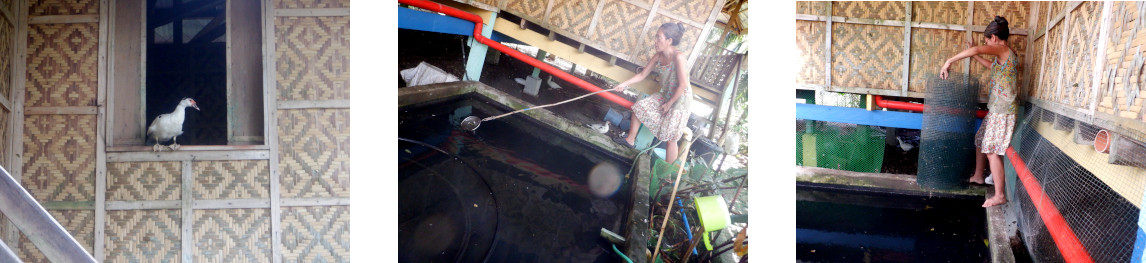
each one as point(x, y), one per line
point(1001, 21)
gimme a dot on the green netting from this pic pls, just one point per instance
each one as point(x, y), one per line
point(840, 146)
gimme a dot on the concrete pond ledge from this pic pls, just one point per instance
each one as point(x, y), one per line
point(423, 93)
point(891, 182)
point(1000, 231)
point(637, 229)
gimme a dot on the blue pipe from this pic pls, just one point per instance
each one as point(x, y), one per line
point(621, 254)
point(686, 227)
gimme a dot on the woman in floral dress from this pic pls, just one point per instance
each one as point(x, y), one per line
point(994, 134)
point(666, 112)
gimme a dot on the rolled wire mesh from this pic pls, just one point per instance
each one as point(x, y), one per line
point(947, 150)
point(1096, 200)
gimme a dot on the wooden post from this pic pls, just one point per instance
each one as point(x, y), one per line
point(906, 49)
point(270, 127)
point(187, 237)
point(16, 143)
point(101, 137)
point(1100, 58)
point(827, 47)
point(477, 54)
point(970, 22)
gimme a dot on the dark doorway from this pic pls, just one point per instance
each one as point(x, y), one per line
point(187, 58)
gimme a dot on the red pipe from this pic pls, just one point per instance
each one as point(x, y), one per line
point(1072, 250)
point(450, 11)
point(899, 105)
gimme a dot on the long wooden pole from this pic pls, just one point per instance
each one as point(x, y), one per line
point(675, 184)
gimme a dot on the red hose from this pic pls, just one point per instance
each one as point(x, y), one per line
point(450, 11)
point(899, 105)
point(1068, 244)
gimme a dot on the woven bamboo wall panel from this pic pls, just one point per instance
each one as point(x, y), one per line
point(1036, 68)
point(882, 10)
point(144, 181)
point(1055, 8)
point(811, 7)
point(59, 157)
point(573, 16)
point(143, 235)
point(1040, 21)
point(867, 56)
point(1081, 47)
point(930, 48)
point(944, 12)
point(1017, 43)
point(232, 179)
point(62, 65)
point(1051, 64)
point(313, 58)
point(810, 41)
point(645, 49)
point(316, 234)
point(232, 235)
point(79, 223)
point(314, 155)
point(619, 27)
point(63, 7)
point(312, 3)
point(7, 33)
point(695, 10)
point(1120, 57)
point(1015, 12)
point(532, 10)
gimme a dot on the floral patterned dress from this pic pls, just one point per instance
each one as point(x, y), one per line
point(666, 127)
point(994, 134)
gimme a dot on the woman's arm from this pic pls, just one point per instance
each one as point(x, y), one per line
point(639, 76)
point(682, 83)
point(990, 50)
point(982, 61)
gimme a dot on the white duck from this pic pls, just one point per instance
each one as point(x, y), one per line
point(905, 146)
point(552, 85)
point(600, 128)
point(170, 125)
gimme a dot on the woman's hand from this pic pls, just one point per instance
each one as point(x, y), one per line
point(619, 88)
point(666, 107)
point(943, 71)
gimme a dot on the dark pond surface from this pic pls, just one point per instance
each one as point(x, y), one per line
point(851, 224)
point(518, 191)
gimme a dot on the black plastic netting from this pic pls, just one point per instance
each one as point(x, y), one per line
point(946, 155)
point(1096, 200)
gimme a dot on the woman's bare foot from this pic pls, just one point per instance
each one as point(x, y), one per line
point(994, 201)
point(632, 141)
point(978, 179)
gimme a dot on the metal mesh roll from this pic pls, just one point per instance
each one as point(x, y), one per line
point(947, 149)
